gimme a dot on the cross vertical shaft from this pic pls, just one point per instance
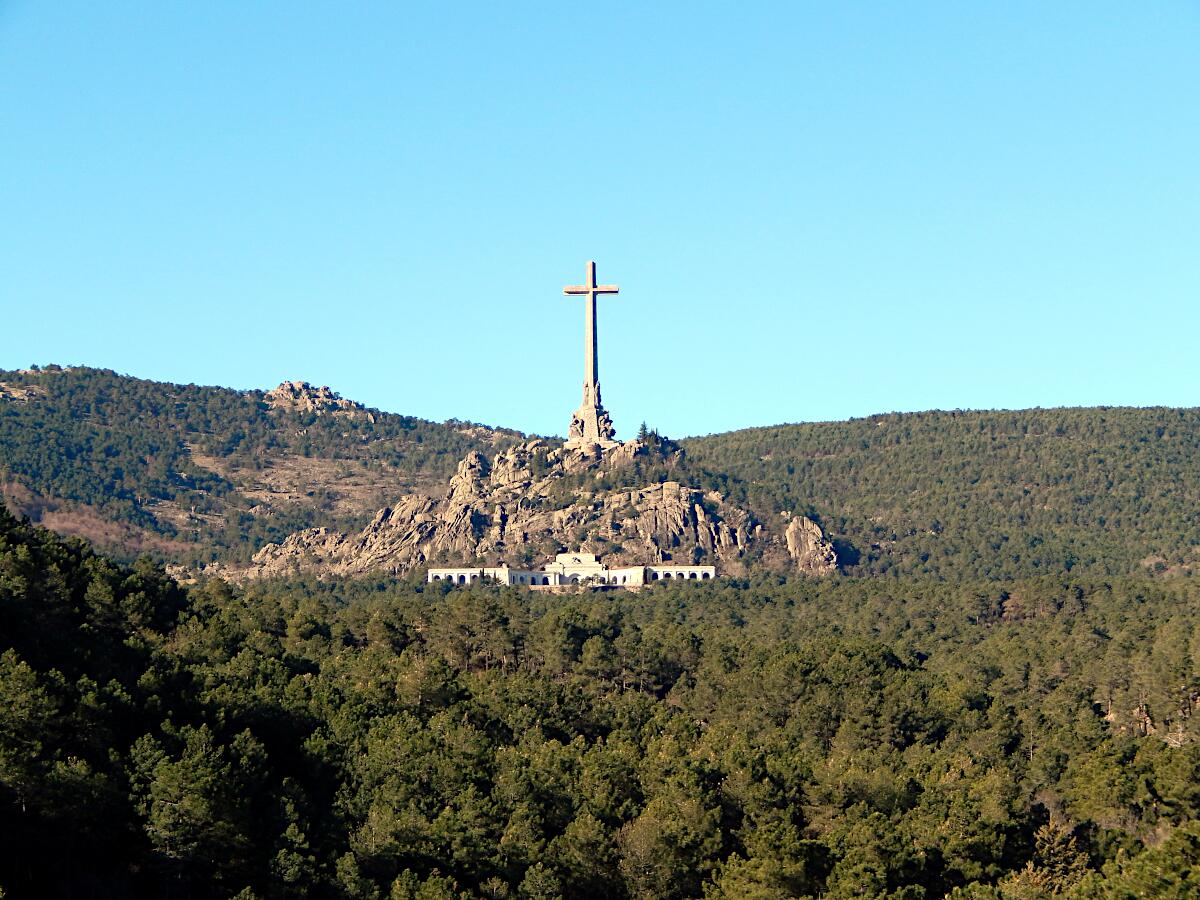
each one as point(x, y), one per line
point(591, 362)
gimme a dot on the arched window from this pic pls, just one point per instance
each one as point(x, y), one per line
point(666, 574)
point(462, 579)
point(437, 577)
point(692, 575)
point(545, 579)
point(704, 577)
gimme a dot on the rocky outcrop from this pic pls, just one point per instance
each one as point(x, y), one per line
point(21, 393)
point(810, 550)
point(534, 500)
point(300, 396)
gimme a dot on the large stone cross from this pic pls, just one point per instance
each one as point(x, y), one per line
point(591, 374)
point(590, 424)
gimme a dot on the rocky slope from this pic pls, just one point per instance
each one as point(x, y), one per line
point(535, 499)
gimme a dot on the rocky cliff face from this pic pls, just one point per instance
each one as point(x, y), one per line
point(809, 549)
point(536, 499)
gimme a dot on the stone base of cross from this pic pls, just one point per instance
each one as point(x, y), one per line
point(591, 423)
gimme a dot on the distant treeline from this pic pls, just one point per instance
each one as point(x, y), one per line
point(761, 738)
point(979, 494)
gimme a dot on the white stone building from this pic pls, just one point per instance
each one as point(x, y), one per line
point(574, 569)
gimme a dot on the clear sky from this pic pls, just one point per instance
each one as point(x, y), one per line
point(814, 210)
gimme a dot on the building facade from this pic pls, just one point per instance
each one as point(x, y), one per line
point(574, 569)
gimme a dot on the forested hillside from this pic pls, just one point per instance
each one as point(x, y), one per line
point(188, 471)
point(764, 738)
point(192, 473)
point(979, 494)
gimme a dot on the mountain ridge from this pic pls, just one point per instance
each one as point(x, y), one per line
point(201, 475)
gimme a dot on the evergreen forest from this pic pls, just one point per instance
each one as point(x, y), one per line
point(758, 738)
point(990, 494)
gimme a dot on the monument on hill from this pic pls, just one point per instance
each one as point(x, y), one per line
point(590, 425)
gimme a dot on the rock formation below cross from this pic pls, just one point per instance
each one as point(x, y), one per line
point(531, 501)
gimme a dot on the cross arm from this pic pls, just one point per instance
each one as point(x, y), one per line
point(598, 289)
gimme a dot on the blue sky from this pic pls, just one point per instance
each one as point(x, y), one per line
point(814, 211)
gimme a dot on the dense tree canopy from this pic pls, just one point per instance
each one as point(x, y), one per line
point(760, 738)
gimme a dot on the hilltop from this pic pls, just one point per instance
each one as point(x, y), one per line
point(190, 472)
point(202, 474)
